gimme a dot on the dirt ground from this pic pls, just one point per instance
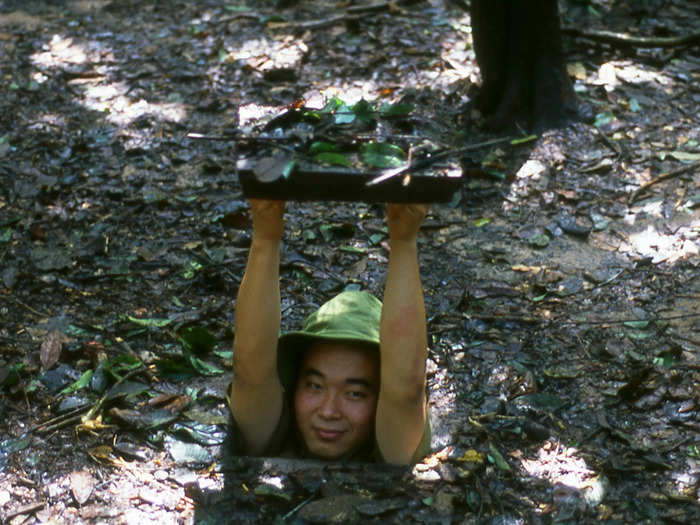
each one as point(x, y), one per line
point(562, 280)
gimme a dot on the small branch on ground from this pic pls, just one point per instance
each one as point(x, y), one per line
point(614, 146)
point(391, 5)
point(61, 420)
point(28, 308)
point(664, 176)
point(534, 320)
point(25, 509)
point(75, 416)
point(352, 14)
point(625, 39)
point(124, 345)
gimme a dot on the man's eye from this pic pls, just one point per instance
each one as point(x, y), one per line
point(313, 386)
point(357, 394)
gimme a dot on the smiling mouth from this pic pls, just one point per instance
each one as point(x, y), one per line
point(328, 435)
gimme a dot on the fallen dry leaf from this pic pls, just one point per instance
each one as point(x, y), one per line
point(51, 349)
point(577, 70)
point(81, 484)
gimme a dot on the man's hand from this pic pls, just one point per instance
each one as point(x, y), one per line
point(268, 219)
point(404, 220)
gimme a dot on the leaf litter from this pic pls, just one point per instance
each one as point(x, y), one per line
point(563, 374)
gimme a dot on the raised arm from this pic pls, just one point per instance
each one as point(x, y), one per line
point(256, 392)
point(401, 408)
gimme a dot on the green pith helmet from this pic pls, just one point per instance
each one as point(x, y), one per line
point(349, 316)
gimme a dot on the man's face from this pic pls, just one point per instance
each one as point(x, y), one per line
point(335, 400)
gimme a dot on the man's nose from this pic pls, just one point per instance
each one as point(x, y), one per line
point(330, 406)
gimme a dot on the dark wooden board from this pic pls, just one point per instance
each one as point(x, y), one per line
point(339, 184)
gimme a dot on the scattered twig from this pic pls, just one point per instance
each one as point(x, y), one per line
point(438, 225)
point(277, 142)
point(442, 328)
point(505, 318)
point(616, 147)
point(351, 14)
point(681, 198)
point(238, 16)
point(27, 307)
point(75, 416)
point(62, 422)
point(238, 137)
point(534, 320)
point(457, 236)
point(610, 279)
point(300, 306)
point(390, 5)
point(22, 480)
point(53, 423)
point(687, 339)
point(675, 445)
point(664, 176)
point(98, 406)
point(622, 321)
point(123, 344)
point(305, 265)
point(296, 509)
point(625, 39)
point(378, 136)
point(320, 24)
point(487, 317)
point(31, 508)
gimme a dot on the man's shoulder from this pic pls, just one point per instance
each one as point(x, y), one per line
point(281, 442)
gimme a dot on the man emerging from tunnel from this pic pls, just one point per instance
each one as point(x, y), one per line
point(351, 384)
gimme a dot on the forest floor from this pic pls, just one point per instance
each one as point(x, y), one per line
point(561, 281)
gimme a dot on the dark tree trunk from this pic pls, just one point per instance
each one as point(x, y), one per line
point(519, 51)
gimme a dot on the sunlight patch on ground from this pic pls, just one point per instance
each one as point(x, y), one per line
point(121, 109)
point(50, 120)
point(668, 247)
point(265, 55)
point(249, 114)
point(610, 74)
point(374, 89)
point(87, 6)
point(60, 51)
point(674, 242)
point(685, 483)
point(350, 93)
point(461, 66)
point(653, 228)
point(561, 466)
point(633, 74)
point(457, 59)
point(270, 484)
point(532, 176)
point(272, 481)
point(447, 75)
point(110, 98)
